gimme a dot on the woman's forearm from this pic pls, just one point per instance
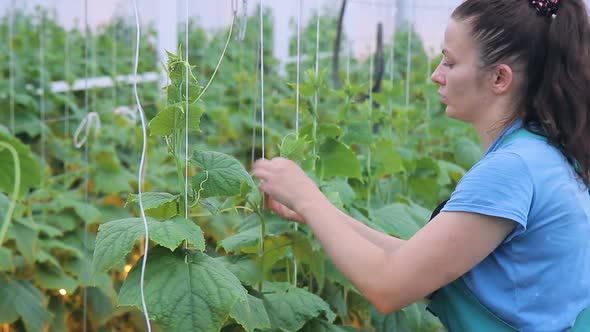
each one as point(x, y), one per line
point(386, 242)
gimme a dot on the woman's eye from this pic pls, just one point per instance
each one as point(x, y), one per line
point(447, 64)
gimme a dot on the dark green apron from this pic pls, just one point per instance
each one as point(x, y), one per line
point(460, 311)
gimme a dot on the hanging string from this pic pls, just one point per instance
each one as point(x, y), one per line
point(297, 91)
point(86, 175)
point(262, 78)
point(115, 40)
point(255, 109)
point(392, 50)
point(140, 172)
point(42, 85)
point(186, 113)
point(68, 93)
point(409, 56)
point(298, 70)
point(12, 65)
point(317, 71)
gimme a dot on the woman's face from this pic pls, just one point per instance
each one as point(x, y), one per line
point(462, 83)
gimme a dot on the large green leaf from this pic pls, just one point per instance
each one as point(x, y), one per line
point(52, 278)
point(160, 205)
point(6, 259)
point(244, 267)
point(19, 298)
point(251, 236)
point(116, 238)
point(294, 148)
point(194, 296)
point(394, 219)
point(30, 171)
point(385, 158)
point(220, 175)
point(338, 160)
point(26, 238)
point(358, 133)
point(251, 314)
point(289, 308)
point(173, 117)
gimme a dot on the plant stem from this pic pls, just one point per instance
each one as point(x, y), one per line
point(15, 191)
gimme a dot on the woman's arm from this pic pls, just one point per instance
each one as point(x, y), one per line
point(384, 241)
point(443, 250)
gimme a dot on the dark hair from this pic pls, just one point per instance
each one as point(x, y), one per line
point(553, 53)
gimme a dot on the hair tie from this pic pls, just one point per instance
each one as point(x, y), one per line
point(547, 8)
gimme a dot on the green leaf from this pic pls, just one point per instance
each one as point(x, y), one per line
point(160, 205)
point(6, 259)
point(338, 160)
point(449, 172)
point(173, 117)
point(87, 212)
point(293, 147)
point(220, 175)
point(323, 130)
point(52, 278)
point(251, 236)
point(251, 314)
point(358, 133)
point(385, 158)
point(30, 171)
point(26, 240)
point(19, 298)
point(116, 238)
point(393, 219)
point(289, 308)
point(467, 152)
point(244, 267)
point(197, 296)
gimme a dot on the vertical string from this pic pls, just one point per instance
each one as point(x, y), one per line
point(140, 172)
point(255, 109)
point(68, 95)
point(186, 113)
point(317, 71)
point(298, 72)
point(86, 175)
point(409, 56)
point(297, 92)
point(262, 115)
point(115, 40)
point(11, 64)
point(42, 84)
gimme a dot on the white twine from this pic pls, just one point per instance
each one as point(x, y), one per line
point(262, 115)
point(140, 173)
point(92, 120)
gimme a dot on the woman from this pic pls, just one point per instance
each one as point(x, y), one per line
point(512, 244)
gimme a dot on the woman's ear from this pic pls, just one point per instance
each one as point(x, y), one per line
point(502, 79)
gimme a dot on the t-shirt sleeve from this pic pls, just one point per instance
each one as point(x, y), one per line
point(499, 185)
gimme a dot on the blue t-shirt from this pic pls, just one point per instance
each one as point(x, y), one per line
point(538, 279)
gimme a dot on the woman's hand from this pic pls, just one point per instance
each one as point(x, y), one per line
point(287, 188)
point(282, 210)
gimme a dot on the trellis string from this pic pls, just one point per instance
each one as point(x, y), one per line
point(140, 172)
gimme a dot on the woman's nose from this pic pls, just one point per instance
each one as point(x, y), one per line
point(437, 76)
